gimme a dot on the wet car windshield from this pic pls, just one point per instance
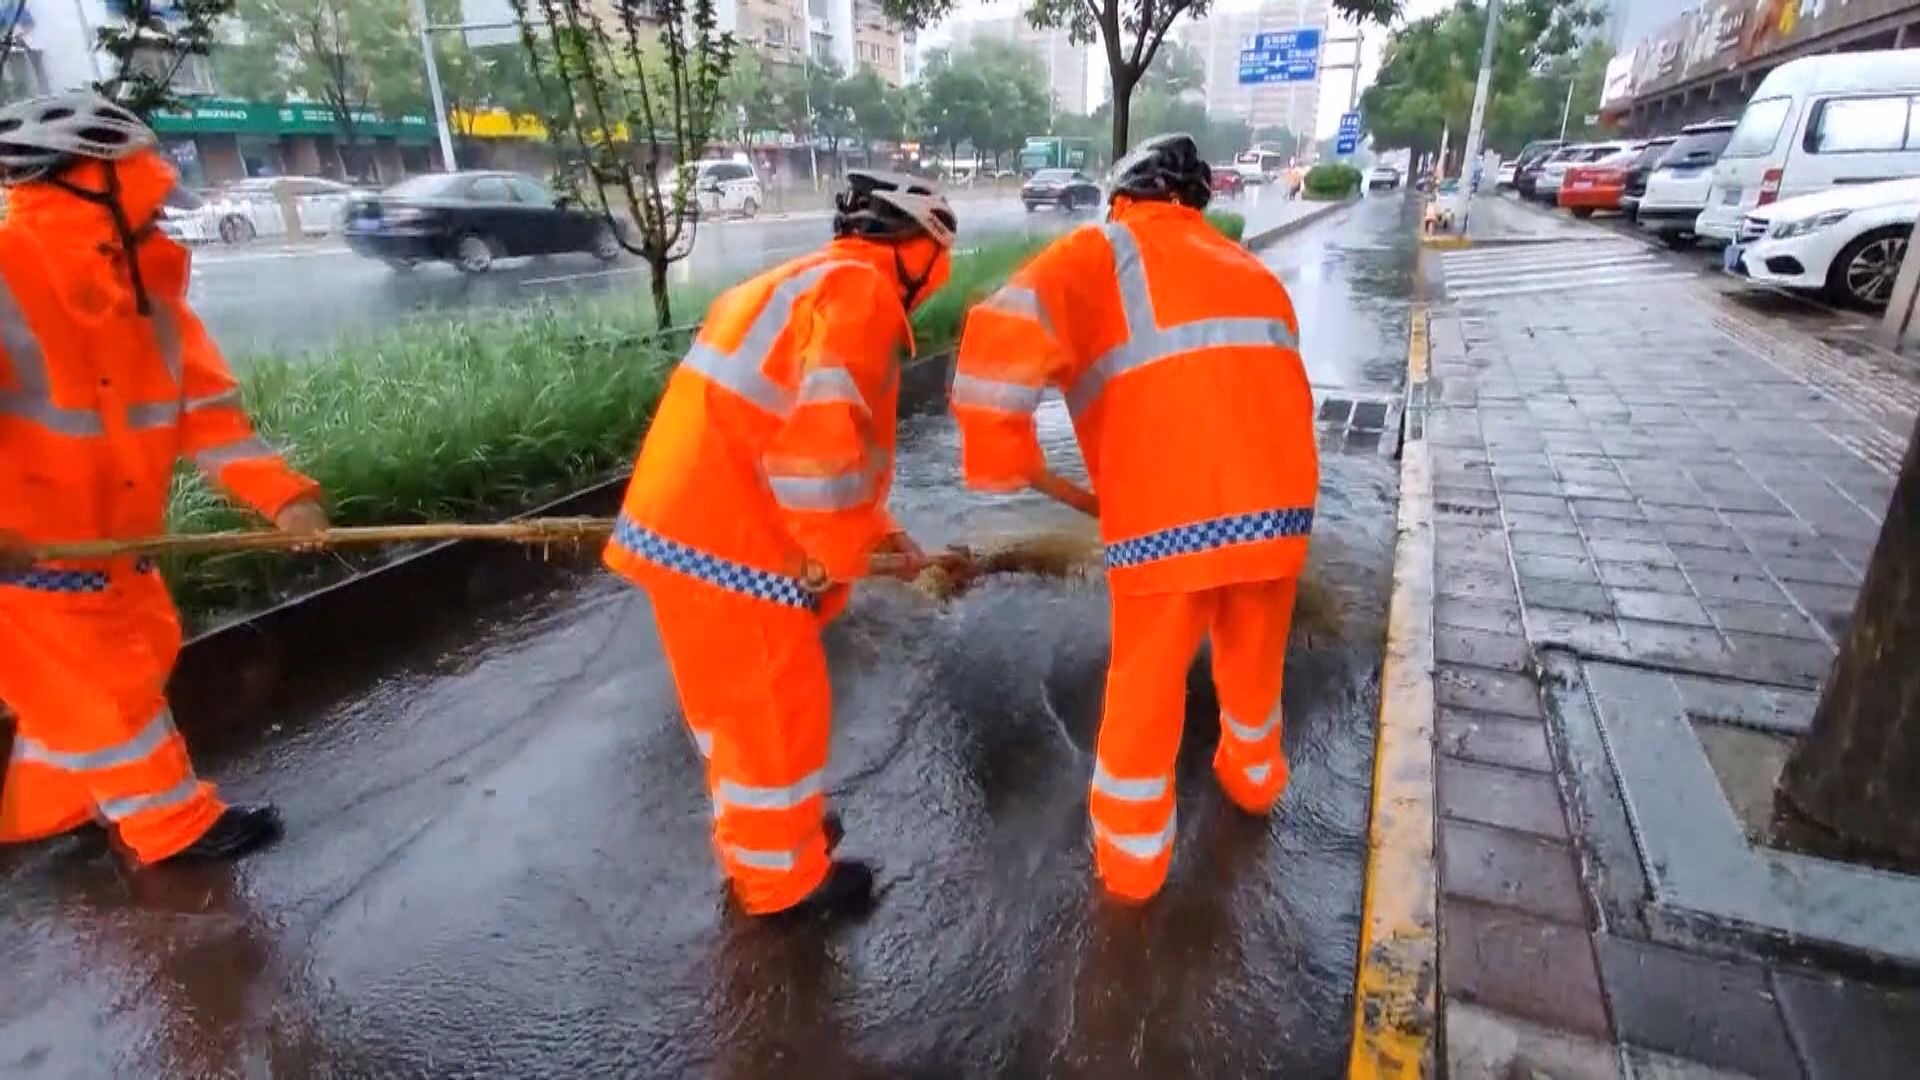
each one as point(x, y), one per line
point(1054, 176)
point(428, 186)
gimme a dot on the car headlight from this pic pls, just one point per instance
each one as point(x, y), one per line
point(1788, 229)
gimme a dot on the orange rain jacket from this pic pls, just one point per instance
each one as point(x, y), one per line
point(774, 442)
point(1178, 354)
point(96, 402)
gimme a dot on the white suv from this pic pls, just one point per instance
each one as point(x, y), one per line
point(727, 188)
point(1678, 187)
point(1847, 241)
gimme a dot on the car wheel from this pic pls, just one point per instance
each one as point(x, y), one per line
point(1679, 241)
point(401, 265)
point(1583, 212)
point(473, 254)
point(1864, 273)
point(1031, 207)
point(606, 246)
point(235, 229)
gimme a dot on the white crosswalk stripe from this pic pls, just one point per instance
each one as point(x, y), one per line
point(1563, 266)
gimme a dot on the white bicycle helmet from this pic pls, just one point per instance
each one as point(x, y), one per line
point(40, 135)
point(893, 206)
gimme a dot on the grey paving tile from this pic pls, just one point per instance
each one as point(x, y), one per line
point(1548, 505)
point(1509, 798)
point(1479, 648)
point(1811, 568)
point(1546, 543)
point(1555, 568)
point(1662, 607)
point(1479, 584)
point(1688, 646)
point(1566, 596)
point(1774, 619)
point(1465, 496)
point(1582, 631)
point(1522, 965)
point(1781, 659)
point(1718, 561)
point(1492, 739)
point(1721, 1014)
point(1662, 499)
point(1485, 1045)
point(1821, 599)
point(1606, 508)
point(1771, 544)
point(1617, 529)
point(1716, 536)
point(1680, 515)
point(1486, 690)
point(1528, 485)
point(1492, 616)
point(1510, 869)
point(1754, 499)
point(1646, 552)
point(1549, 523)
point(1850, 1030)
point(1755, 588)
point(1641, 576)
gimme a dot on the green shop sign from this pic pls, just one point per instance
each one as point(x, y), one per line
point(228, 116)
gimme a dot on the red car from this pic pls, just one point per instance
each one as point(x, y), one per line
point(1598, 185)
point(1227, 180)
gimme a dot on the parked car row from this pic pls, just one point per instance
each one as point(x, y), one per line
point(1815, 187)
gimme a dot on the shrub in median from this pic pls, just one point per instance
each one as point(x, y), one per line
point(1332, 180)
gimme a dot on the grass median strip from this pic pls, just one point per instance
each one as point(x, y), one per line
point(476, 418)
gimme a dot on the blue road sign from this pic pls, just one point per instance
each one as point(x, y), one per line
point(1350, 123)
point(1281, 56)
point(1346, 144)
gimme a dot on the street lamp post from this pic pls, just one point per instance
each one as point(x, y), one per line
point(1567, 108)
point(1476, 133)
point(433, 85)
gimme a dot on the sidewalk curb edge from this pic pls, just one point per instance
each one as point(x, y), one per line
point(1261, 239)
point(1396, 985)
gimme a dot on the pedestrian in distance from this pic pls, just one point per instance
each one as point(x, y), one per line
point(106, 380)
point(759, 495)
point(1177, 353)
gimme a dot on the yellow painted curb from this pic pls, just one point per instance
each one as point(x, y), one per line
point(1445, 243)
point(1395, 1001)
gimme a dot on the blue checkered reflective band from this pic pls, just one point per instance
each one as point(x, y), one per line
point(712, 569)
point(41, 579)
point(1207, 535)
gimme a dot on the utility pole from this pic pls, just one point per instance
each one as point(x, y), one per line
point(433, 85)
point(1567, 108)
point(1470, 163)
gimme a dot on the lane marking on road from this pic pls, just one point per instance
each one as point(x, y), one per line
point(1395, 1001)
point(1553, 258)
point(1575, 283)
point(210, 261)
point(1544, 275)
point(581, 276)
point(1508, 273)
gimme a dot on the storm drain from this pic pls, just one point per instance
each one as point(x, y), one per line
point(1358, 423)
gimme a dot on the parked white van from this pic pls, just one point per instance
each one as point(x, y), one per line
point(1814, 123)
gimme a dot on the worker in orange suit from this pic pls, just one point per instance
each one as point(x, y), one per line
point(759, 494)
point(106, 380)
point(1177, 354)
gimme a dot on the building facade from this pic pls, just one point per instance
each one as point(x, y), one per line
point(850, 33)
point(1220, 37)
point(1065, 62)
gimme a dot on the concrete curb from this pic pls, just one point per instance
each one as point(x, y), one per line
point(1256, 241)
point(1395, 1002)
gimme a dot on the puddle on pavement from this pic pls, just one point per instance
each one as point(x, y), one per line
point(499, 860)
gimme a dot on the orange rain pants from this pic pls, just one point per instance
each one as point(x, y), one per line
point(98, 403)
point(1154, 638)
point(772, 448)
point(1178, 356)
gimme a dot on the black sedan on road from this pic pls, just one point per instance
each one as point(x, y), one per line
point(1064, 188)
point(472, 218)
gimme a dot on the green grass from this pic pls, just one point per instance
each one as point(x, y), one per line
point(475, 419)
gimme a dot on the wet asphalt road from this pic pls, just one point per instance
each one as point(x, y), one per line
point(499, 861)
point(300, 298)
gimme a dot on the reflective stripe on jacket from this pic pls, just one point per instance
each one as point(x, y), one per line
point(774, 441)
point(97, 403)
point(1178, 356)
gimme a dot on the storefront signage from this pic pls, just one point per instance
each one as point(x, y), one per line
point(1724, 34)
point(227, 116)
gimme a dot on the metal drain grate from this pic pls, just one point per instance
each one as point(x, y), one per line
point(1358, 423)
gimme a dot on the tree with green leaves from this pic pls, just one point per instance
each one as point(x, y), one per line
point(1177, 70)
point(637, 86)
point(1130, 31)
point(958, 105)
point(832, 116)
point(351, 56)
point(149, 41)
point(750, 97)
point(1427, 76)
point(879, 111)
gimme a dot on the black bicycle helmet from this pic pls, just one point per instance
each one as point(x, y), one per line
point(892, 207)
point(1165, 168)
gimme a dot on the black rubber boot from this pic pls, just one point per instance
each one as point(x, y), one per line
point(847, 893)
point(239, 831)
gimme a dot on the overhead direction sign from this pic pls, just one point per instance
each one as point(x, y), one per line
point(1281, 56)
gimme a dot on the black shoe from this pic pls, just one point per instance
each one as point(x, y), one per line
point(239, 831)
point(847, 893)
point(835, 831)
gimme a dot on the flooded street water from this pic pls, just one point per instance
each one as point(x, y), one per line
point(499, 862)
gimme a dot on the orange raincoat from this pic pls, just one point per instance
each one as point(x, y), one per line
point(1178, 356)
point(97, 403)
point(773, 446)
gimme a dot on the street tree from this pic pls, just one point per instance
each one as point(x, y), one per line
point(1177, 70)
point(350, 56)
point(879, 111)
point(958, 104)
point(827, 93)
point(149, 41)
point(1855, 775)
point(637, 85)
point(750, 97)
point(1018, 97)
point(1129, 31)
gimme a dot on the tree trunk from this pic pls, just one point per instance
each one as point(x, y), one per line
point(657, 263)
point(1856, 773)
point(1122, 105)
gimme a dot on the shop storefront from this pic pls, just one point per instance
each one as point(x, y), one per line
point(216, 140)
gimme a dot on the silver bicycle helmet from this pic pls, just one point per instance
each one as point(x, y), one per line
point(41, 135)
point(893, 206)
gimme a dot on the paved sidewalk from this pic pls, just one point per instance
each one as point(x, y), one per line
point(1652, 510)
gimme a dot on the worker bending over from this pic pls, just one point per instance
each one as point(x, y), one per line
point(1178, 356)
point(106, 380)
point(759, 494)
